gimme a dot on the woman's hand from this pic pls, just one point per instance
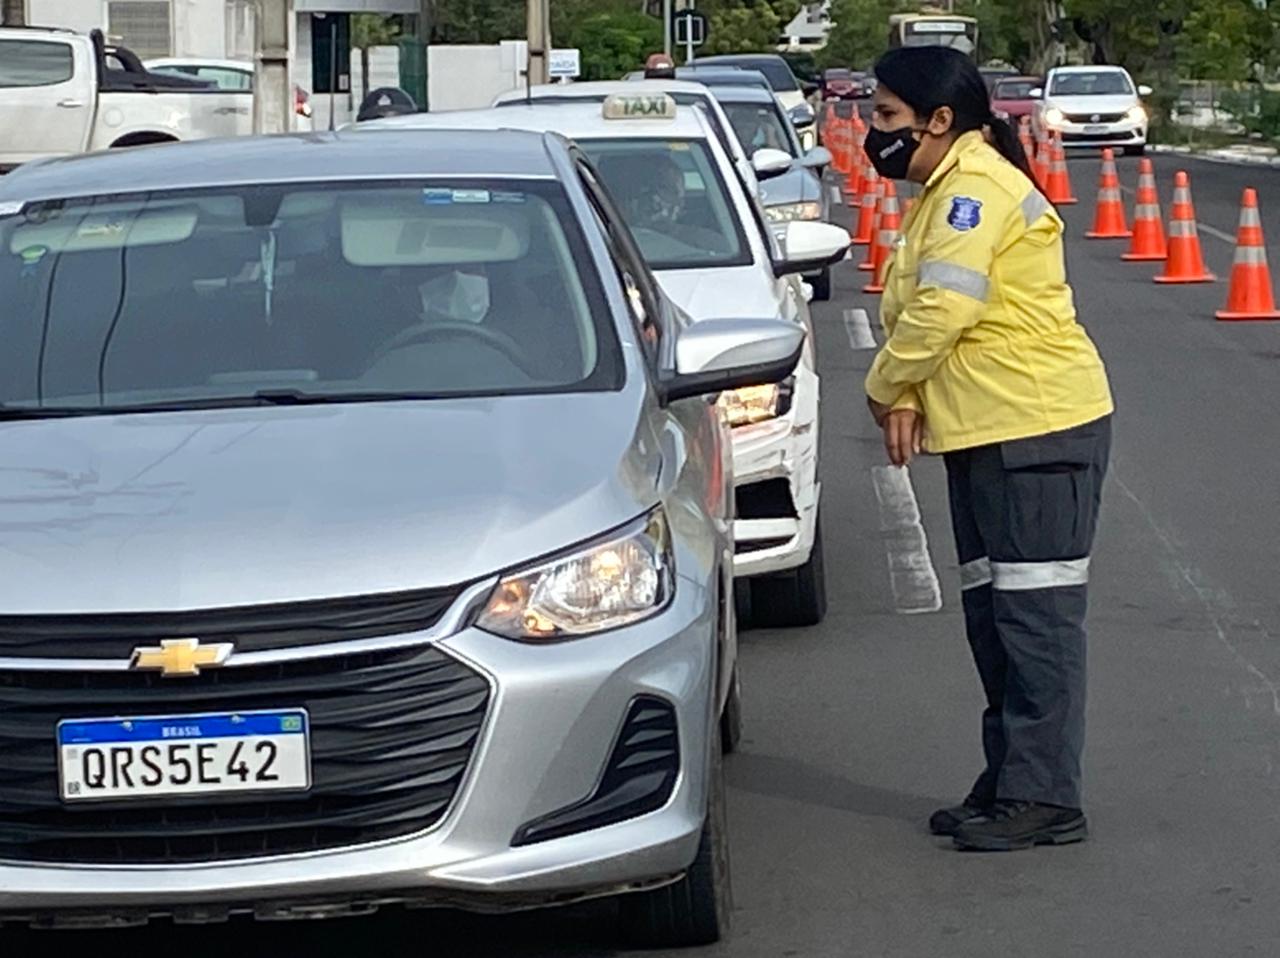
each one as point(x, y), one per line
point(879, 411)
point(903, 435)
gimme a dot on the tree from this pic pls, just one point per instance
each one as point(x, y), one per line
point(371, 30)
point(859, 33)
point(611, 43)
point(13, 12)
point(742, 26)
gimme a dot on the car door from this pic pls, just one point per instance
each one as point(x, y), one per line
point(46, 97)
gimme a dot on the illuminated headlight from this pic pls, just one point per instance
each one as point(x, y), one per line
point(1137, 115)
point(621, 579)
point(1053, 116)
point(751, 404)
point(787, 212)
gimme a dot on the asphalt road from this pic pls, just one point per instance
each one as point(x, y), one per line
point(857, 729)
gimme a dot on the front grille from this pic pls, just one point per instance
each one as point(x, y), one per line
point(768, 499)
point(252, 628)
point(392, 733)
point(639, 777)
point(1097, 137)
point(1095, 117)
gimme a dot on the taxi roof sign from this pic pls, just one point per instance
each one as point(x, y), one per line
point(639, 106)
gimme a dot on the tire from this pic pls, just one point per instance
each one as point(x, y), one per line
point(795, 598)
point(695, 910)
point(822, 286)
point(731, 717)
point(1135, 150)
point(742, 603)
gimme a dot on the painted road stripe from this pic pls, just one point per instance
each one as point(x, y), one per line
point(858, 325)
point(911, 574)
point(837, 196)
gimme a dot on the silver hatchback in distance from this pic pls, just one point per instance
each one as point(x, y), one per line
point(367, 539)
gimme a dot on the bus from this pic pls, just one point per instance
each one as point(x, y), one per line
point(934, 30)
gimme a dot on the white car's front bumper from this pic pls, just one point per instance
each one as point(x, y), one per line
point(1119, 134)
point(776, 476)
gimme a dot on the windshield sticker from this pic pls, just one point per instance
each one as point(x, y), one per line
point(31, 257)
point(443, 197)
point(502, 197)
point(678, 146)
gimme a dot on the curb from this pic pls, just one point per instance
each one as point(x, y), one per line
point(1232, 157)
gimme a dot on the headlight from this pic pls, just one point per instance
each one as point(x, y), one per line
point(1053, 116)
point(752, 404)
point(787, 212)
point(618, 580)
point(1137, 115)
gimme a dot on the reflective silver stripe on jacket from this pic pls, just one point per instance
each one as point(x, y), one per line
point(1034, 207)
point(1023, 576)
point(975, 574)
point(958, 279)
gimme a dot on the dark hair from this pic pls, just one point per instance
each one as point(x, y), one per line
point(926, 78)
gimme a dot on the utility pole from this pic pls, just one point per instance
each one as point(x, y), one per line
point(13, 13)
point(666, 27)
point(272, 87)
point(539, 34)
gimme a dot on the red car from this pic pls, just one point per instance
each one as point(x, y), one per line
point(1011, 97)
point(841, 84)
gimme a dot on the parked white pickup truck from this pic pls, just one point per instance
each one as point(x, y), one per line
point(63, 92)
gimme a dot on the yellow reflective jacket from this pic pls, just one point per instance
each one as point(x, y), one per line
point(982, 331)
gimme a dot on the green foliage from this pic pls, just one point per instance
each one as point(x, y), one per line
point(859, 33)
point(611, 43)
point(741, 26)
point(373, 30)
point(1256, 109)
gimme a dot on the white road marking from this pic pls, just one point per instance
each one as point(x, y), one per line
point(858, 325)
point(837, 196)
point(1202, 227)
point(911, 574)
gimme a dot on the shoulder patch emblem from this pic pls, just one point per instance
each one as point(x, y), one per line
point(966, 213)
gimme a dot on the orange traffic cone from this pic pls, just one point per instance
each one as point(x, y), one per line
point(1250, 295)
point(1108, 221)
point(1028, 145)
point(1040, 165)
point(867, 211)
point(1148, 228)
point(1059, 186)
point(856, 182)
point(1185, 263)
point(886, 238)
point(881, 190)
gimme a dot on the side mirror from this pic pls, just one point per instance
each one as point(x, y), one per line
point(1037, 93)
point(808, 247)
point(768, 162)
point(817, 158)
point(810, 88)
point(802, 116)
point(1144, 90)
point(715, 355)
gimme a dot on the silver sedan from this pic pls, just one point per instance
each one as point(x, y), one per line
point(367, 539)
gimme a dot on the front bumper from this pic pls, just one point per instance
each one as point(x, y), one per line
point(776, 471)
point(555, 712)
point(1125, 133)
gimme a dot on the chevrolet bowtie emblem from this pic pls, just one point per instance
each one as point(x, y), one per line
point(180, 658)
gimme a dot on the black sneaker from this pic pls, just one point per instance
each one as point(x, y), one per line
point(1013, 825)
point(945, 821)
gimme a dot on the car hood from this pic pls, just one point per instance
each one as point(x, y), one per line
point(797, 185)
point(733, 293)
point(194, 510)
point(1093, 104)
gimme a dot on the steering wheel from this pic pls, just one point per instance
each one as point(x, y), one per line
point(422, 332)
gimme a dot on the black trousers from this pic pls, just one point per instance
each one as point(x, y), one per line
point(1025, 514)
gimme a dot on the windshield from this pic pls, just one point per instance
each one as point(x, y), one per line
point(758, 126)
point(1101, 83)
point(424, 289)
point(674, 200)
point(1014, 89)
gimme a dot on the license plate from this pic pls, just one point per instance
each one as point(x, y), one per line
point(1095, 128)
point(150, 757)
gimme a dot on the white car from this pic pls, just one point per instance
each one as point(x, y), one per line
point(683, 92)
point(63, 92)
point(1093, 107)
point(710, 246)
point(232, 76)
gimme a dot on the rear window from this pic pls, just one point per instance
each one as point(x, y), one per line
point(35, 63)
point(332, 289)
point(760, 126)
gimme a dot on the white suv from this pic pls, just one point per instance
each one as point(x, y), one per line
point(1094, 106)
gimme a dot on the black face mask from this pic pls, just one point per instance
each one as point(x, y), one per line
point(890, 151)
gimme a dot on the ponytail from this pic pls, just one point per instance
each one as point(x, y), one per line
point(1007, 145)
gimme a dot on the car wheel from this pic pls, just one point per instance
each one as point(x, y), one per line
point(822, 285)
point(796, 598)
point(731, 717)
point(1135, 150)
point(696, 909)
